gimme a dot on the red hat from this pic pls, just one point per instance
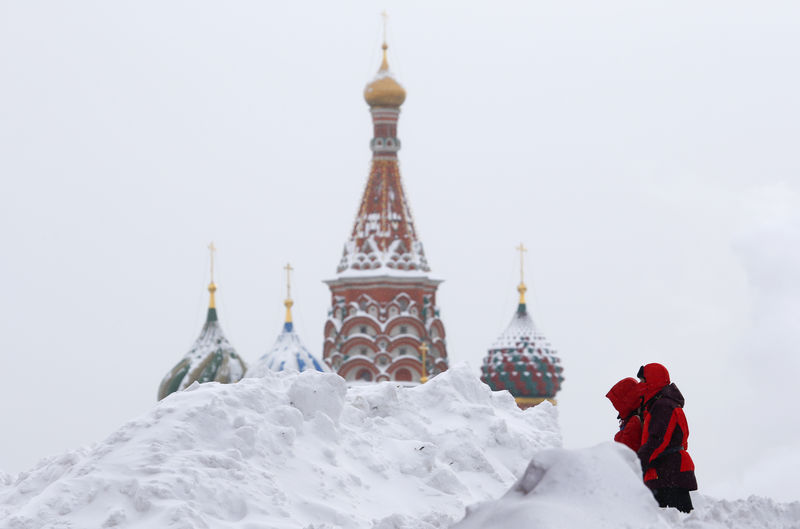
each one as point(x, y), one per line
point(655, 378)
point(625, 396)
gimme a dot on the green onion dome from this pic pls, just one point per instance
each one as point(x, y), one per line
point(211, 359)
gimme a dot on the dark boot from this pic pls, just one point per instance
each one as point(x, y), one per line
point(678, 498)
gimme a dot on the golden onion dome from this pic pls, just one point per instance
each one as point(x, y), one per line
point(384, 91)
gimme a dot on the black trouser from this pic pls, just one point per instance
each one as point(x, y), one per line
point(678, 498)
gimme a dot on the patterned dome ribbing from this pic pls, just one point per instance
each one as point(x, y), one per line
point(211, 359)
point(523, 362)
point(288, 353)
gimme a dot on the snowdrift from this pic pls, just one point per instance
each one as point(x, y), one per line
point(601, 488)
point(302, 451)
point(291, 451)
point(562, 488)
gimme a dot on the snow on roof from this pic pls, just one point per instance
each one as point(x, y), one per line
point(522, 328)
point(384, 237)
point(522, 360)
point(287, 354)
point(212, 358)
point(368, 258)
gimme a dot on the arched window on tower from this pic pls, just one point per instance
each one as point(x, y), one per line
point(402, 375)
point(364, 375)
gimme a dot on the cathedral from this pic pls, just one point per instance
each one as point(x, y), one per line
point(383, 322)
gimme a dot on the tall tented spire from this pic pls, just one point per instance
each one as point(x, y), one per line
point(522, 360)
point(383, 238)
point(211, 359)
point(288, 353)
point(383, 302)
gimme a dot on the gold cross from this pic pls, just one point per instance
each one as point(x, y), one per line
point(212, 249)
point(288, 269)
point(385, 18)
point(521, 248)
point(424, 350)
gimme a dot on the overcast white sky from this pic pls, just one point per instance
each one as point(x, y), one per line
point(647, 153)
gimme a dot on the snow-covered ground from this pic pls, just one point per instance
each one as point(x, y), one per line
point(303, 451)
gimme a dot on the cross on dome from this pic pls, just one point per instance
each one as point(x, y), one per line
point(522, 288)
point(212, 288)
point(384, 91)
point(288, 303)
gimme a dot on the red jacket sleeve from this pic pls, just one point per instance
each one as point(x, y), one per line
point(631, 434)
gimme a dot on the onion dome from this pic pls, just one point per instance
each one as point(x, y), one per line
point(523, 361)
point(211, 359)
point(288, 353)
point(384, 91)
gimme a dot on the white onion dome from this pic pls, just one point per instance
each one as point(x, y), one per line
point(288, 353)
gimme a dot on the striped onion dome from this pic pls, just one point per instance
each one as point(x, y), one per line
point(211, 359)
point(523, 361)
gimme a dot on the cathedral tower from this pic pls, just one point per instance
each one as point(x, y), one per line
point(383, 301)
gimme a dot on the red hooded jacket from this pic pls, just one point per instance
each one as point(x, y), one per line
point(665, 461)
point(626, 397)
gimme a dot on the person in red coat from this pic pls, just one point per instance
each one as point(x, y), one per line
point(668, 469)
point(626, 397)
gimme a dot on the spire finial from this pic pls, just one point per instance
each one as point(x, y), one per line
point(522, 288)
point(384, 63)
point(288, 303)
point(212, 287)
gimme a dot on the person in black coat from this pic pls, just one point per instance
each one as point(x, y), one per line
point(667, 466)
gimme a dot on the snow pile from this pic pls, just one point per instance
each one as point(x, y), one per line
point(303, 451)
point(563, 488)
point(291, 451)
point(601, 487)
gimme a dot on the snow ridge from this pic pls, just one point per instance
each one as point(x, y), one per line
point(291, 450)
point(303, 451)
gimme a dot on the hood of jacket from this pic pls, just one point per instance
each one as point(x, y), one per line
point(656, 377)
point(672, 392)
point(625, 396)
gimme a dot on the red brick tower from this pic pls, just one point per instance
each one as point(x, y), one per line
point(383, 301)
